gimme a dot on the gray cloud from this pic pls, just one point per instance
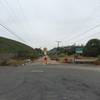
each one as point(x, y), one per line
point(42, 22)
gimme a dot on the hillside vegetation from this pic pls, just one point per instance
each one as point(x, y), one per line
point(16, 50)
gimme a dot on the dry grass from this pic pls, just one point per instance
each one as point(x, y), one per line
point(97, 62)
point(12, 62)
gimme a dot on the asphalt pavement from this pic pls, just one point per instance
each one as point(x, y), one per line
point(50, 82)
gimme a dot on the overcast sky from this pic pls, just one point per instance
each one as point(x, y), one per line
point(40, 23)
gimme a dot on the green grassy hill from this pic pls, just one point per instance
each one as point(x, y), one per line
point(21, 50)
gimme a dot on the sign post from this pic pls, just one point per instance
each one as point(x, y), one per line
point(78, 50)
point(45, 56)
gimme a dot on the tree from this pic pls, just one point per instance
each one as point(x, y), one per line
point(92, 48)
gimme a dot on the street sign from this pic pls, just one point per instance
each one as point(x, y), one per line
point(79, 50)
point(45, 51)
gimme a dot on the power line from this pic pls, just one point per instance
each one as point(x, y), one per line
point(93, 12)
point(23, 13)
point(88, 18)
point(11, 15)
point(21, 9)
point(87, 36)
point(13, 33)
point(82, 34)
point(10, 8)
point(12, 12)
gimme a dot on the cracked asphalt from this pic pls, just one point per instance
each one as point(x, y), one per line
point(50, 82)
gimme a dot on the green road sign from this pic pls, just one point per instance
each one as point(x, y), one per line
point(79, 50)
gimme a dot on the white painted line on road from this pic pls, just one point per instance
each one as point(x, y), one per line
point(37, 71)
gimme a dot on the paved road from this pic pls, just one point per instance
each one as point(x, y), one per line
point(41, 61)
point(50, 82)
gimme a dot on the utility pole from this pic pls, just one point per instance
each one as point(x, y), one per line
point(58, 44)
point(74, 51)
